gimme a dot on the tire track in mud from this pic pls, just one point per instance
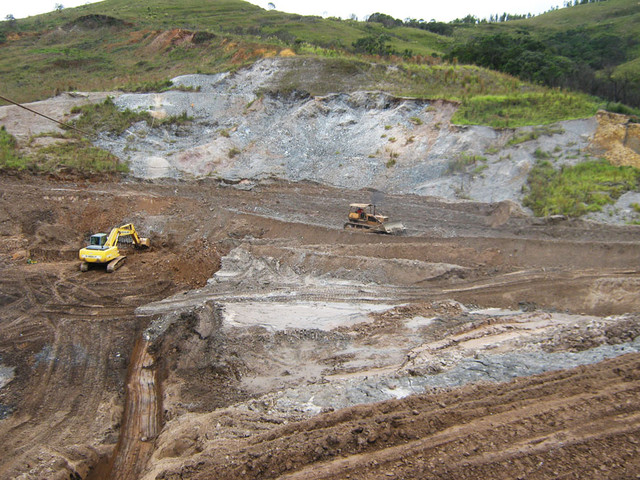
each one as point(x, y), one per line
point(70, 359)
point(558, 290)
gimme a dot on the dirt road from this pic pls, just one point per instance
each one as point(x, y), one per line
point(301, 308)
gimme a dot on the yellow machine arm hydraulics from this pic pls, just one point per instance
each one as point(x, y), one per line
point(103, 248)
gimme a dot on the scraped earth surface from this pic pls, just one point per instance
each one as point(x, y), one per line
point(259, 339)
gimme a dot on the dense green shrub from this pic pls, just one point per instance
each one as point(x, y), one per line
point(577, 190)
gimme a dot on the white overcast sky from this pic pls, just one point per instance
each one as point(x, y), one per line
point(440, 10)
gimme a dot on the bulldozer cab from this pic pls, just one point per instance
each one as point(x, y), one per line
point(364, 216)
point(365, 212)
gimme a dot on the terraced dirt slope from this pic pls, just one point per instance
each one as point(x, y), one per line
point(300, 308)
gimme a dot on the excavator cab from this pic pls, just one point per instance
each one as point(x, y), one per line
point(97, 241)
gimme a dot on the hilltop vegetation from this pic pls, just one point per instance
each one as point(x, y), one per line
point(523, 65)
point(591, 47)
point(132, 46)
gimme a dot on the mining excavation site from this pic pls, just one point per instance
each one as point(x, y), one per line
point(258, 338)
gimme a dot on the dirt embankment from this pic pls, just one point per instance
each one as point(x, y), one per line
point(269, 367)
point(575, 424)
point(617, 139)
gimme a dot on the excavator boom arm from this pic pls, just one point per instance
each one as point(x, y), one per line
point(127, 229)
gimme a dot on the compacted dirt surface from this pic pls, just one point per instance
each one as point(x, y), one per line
point(257, 338)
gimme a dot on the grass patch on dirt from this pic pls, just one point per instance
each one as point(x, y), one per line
point(107, 117)
point(577, 190)
point(454, 82)
point(462, 162)
point(535, 133)
point(74, 154)
point(9, 156)
point(519, 110)
point(77, 155)
point(150, 86)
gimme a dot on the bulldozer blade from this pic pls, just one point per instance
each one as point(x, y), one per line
point(394, 228)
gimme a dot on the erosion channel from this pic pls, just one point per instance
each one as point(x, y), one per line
point(141, 418)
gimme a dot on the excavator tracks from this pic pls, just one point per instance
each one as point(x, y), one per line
point(115, 264)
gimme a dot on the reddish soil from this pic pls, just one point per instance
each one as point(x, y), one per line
point(71, 337)
point(581, 423)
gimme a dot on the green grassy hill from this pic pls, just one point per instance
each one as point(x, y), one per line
point(615, 18)
point(118, 44)
point(594, 48)
point(115, 43)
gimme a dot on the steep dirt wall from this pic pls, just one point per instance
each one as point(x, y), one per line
point(617, 139)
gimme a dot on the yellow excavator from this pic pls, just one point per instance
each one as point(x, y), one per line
point(103, 248)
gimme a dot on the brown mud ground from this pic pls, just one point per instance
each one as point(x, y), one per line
point(70, 338)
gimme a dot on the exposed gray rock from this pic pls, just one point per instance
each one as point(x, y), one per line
point(355, 140)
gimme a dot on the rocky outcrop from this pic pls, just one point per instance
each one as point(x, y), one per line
point(247, 125)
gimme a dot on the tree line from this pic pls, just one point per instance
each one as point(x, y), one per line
point(583, 58)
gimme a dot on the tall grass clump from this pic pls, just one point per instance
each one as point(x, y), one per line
point(577, 190)
point(9, 156)
point(519, 110)
point(106, 117)
point(462, 162)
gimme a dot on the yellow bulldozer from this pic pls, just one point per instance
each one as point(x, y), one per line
point(364, 216)
point(103, 248)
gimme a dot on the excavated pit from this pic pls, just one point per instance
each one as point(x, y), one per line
point(282, 342)
point(142, 417)
point(305, 337)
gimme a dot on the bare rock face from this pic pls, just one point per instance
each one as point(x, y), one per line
point(247, 125)
point(257, 123)
point(503, 211)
